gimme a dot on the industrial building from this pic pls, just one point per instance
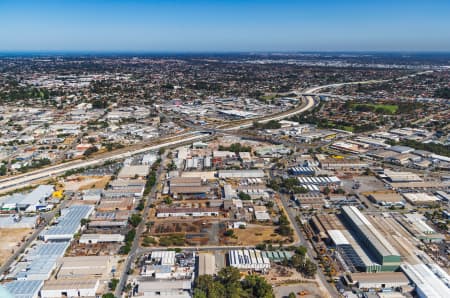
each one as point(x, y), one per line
point(17, 222)
point(427, 283)
point(164, 265)
point(68, 224)
point(277, 256)
point(314, 183)
point(31, 202)
point(169, 288)
point(248, 259)
point(101, 238)
point(415, 224)
point(190, 187)
point(184, 212)
point(83, 267)
point(70, 288)
point(304, 171)
point(224, 174)
point(384, 253)
point(393, 176)
point(386, 198)
point(313, 200)
point(206, 264)
point(40, 261)
point(342, 164)
point(420, 198)
point(261, 213)
point(24, 288)
point(380, 280)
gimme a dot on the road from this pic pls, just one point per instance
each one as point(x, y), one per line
point(139, 230)
point(23, 180)
point(48, 217)
point(311, 253)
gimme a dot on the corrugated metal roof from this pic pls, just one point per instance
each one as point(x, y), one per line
point(24, 288)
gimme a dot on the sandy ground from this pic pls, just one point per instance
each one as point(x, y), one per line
point(310, 290)
point(9, 238)
point(256, 234)
point(87, 183)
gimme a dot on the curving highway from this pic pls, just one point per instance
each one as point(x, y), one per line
point(23, 180)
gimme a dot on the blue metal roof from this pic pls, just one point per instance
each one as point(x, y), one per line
point(24, 288)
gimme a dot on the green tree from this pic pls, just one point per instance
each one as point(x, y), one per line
point(257, 287)
point(243, 196)
point(135, 220)
point(113, 284)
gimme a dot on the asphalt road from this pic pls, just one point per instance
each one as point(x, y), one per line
point(134, 252)
point(310, 251)
point(20, 181)
point(48, 217)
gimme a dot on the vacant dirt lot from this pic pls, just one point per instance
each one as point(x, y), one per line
point(84, 183)
point(9, 238)
point(255, 234)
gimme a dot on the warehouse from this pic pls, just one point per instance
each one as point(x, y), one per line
point(68, 224)
point(228, 192)
point(190, 192)
point(184, 212)
point(305, 171)
point(100, 238)
point(393, 176)
point(342, 164)
point(84, 267)
point(386, 198)
point(36, 198)
point(203, 175)
point(92, 195)
point(401, 149)
point(70, 288)
point(136, 192)
point(351, 255)
point(10, 202)
point(17, 222)
point(41, 261)
point(30, 202)
point(261, 213)
point(380, 280)
point(320, 181)
point(24, 288)
point(248, 259)
point(206, 264)
point(224, 174)
point(428, 285)
point(163, 257)
point(127, 183)
point(384, 253)
point(415, 224)
point(310, 200)
point(169, 288)
point(278, 256)
point(185, 182)
point(420, 198)
point(169, 265)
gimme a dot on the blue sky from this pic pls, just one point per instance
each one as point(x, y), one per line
point(227, 25)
